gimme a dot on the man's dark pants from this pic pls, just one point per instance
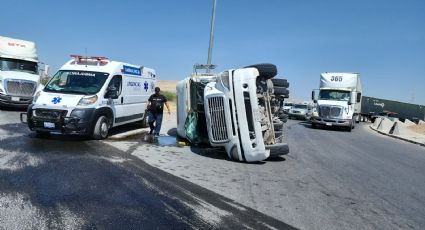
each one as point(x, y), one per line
point(157, 118)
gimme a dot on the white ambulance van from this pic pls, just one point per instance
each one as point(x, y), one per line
point(89, 95)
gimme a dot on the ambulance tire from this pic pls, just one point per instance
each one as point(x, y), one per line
point(101, 128)
point(266, 70)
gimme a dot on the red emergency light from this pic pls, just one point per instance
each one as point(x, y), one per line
point(84, 59)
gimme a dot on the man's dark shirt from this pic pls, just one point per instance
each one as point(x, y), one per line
point(157, 103)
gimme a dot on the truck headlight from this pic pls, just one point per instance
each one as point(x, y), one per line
point(34, 99)
point(88, 100)
point(225, 79)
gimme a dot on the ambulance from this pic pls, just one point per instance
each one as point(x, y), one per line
point(89, 95)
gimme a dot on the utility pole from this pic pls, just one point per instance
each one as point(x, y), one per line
point(209, 65)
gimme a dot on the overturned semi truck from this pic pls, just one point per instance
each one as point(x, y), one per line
point(238, 109)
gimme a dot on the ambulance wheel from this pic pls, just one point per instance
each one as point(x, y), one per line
point(101, 128)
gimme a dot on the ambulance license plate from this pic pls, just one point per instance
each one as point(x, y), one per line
point(49, 125)
point(15, 98)
point(328, 124)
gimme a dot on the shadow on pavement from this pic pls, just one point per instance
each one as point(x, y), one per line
point(105, 187)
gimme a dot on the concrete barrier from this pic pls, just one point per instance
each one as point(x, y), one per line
point(385, 125)
point(409, 122)
point(401, 129)
point(421, 122)
point(377, 122)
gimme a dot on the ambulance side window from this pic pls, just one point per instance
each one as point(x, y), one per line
point(116, 81)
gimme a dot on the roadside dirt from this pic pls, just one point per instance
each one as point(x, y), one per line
point(167, 85)
point(418, 128)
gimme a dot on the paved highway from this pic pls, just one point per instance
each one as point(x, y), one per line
point(72, 183)
point(331, 179)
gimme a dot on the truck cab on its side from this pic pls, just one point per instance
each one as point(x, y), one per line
point(237, 109)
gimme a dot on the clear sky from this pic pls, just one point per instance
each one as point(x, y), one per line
point(384, 40)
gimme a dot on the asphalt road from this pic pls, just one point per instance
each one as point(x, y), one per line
point(361, 180)
point(72, 183)
point(331, 179)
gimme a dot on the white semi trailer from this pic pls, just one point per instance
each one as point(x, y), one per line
point(19, 78)
point(338, 102)
point(237, 109)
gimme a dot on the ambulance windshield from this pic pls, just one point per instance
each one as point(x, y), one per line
point(76, 82)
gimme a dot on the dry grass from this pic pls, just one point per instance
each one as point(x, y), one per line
point(167, 85)
point(418, 128)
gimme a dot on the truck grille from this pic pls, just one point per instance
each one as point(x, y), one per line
point(20, 88)
point(330, 111)
point(218, 119)
point(50, 114)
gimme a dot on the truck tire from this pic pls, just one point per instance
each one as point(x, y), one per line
point(278, 126)
point(101, 128)
point(280, 82)
point(281, 91)
point(278, 149)
point(278, 134)
point(266, 70)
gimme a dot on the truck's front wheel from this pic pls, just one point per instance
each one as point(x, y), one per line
point(101, 128)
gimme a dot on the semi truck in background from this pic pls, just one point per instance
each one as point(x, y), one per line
point(19, 73)
point(338, 102)
point(238, 109)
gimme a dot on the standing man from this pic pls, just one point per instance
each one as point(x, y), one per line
point(156, 108)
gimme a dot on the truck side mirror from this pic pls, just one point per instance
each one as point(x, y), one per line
point(313, 96)
point(359, 97)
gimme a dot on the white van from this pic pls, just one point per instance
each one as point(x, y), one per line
point(89, 95)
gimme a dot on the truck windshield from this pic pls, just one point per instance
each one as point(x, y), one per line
point(334, 95)
point(76, 82)
point(10, 64)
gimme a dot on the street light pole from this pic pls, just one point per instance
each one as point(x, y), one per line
point(211, 36)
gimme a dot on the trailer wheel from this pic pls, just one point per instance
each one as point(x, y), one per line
point(266, 70)
point(101, 128)
point(280, 82)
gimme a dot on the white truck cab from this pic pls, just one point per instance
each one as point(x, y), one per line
point(89, 95)
point(338, 102)
point(19, 78)
point(235, 109)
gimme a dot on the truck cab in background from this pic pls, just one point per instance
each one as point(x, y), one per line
point(236, 109)
point(19, 77)
point(338, 102)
